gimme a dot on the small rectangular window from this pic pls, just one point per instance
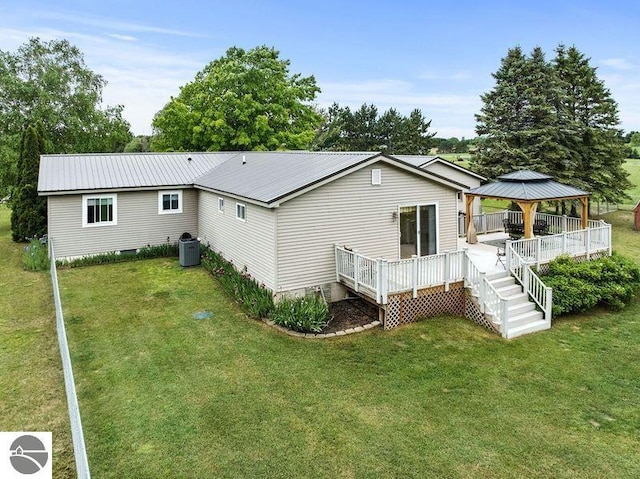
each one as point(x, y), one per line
point(376, 176)
point(169, 202)
point(241, 211)
point(99, 210)
point(221, 205)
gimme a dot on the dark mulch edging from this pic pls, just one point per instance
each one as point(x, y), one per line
point(347, 316)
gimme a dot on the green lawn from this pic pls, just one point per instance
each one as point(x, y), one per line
point(166, 395)
point(32, 396)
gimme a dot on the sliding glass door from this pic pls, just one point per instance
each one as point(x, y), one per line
point(418, 231)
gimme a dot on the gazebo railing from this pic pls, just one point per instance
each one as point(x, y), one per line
point(493, 222)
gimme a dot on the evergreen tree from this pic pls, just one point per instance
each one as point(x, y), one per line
point(554, 117)
point(29, 211)
point(588, 117)
point(366, 130)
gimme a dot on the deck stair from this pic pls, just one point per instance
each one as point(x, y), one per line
point(522, 315)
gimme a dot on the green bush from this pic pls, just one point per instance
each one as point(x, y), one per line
point(307, 315)
point(255, 299)
point(168, 250)
point(611, 281)
point(35, 256)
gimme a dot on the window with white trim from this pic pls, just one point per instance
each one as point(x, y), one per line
point(99, 210)
point(221, 205)
point(241, 212)
point(376, 176)
point(169, 202)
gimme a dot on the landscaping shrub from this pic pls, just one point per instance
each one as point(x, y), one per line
point(307, 315)
point(168, 250)
point(35, 256)
point(611, 281)
point(255, 299)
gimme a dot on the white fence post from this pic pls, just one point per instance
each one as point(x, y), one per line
point(482, 294)
point(526, 277)
point(587, 241)
point(507, 251)
point(447, 270)
point(564, 223)
point(384, 280)
point(548, 303)
point(504, 312)
point(414, 271)
point(564, 242)
point(538, 250)
point(356, 270)
point(338, 265)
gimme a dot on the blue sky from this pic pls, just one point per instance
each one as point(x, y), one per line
point(435, 56)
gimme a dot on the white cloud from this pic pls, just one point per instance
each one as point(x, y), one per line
point(126, 38)
point(618, 63)
point(114, 24)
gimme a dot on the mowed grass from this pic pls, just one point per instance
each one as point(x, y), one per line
point(32, 396)
point(167, 395)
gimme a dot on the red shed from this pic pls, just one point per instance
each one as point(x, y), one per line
point(636, 211)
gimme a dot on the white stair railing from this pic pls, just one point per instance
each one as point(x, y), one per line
point(521, 270)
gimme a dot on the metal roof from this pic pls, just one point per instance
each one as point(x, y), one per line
point(269, 176)
point(527, 185)
point(73, 172)
point(265, 177)
point(424, 161)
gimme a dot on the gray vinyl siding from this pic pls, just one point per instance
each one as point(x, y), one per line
point(249, 243)
point(459, 177)
point(352, 212)
point(139, 223)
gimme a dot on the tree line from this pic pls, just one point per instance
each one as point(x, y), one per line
point(556, 117)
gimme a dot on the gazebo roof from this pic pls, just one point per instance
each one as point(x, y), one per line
point(526, 185)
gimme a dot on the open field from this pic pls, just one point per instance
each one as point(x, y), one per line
point(166, 395)
point(32, 396)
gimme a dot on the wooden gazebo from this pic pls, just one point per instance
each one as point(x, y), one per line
point(526, 188)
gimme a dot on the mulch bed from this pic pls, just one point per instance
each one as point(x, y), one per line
point(350, 313)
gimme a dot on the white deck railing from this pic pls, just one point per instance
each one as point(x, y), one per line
point(543, 249)
point(493, 222)
point(379, 277)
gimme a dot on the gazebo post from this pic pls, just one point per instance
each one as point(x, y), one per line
point(469, 230)
point(585, 212)
point(528, 216)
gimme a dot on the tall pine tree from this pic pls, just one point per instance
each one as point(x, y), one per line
point(554, 117)
point(588, 120)
point(28, 210)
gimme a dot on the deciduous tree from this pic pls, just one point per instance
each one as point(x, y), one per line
point(48, 82)
point(245, 100)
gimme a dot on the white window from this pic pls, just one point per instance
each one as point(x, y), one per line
point(221, 205)
point(169, 202)
point(376, 176)
point(99, 210)
point(241, 212)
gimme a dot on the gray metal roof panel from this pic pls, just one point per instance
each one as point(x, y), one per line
point(525, 175)
point(528, 190)
point(60, 173)
point(269, 176)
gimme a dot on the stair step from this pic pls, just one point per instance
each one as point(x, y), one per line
point(518, 299)
point(497, 275)
point(527, 328)
point(524, 318)
point(520, 308)
point(502, 282)
point(510, 290)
